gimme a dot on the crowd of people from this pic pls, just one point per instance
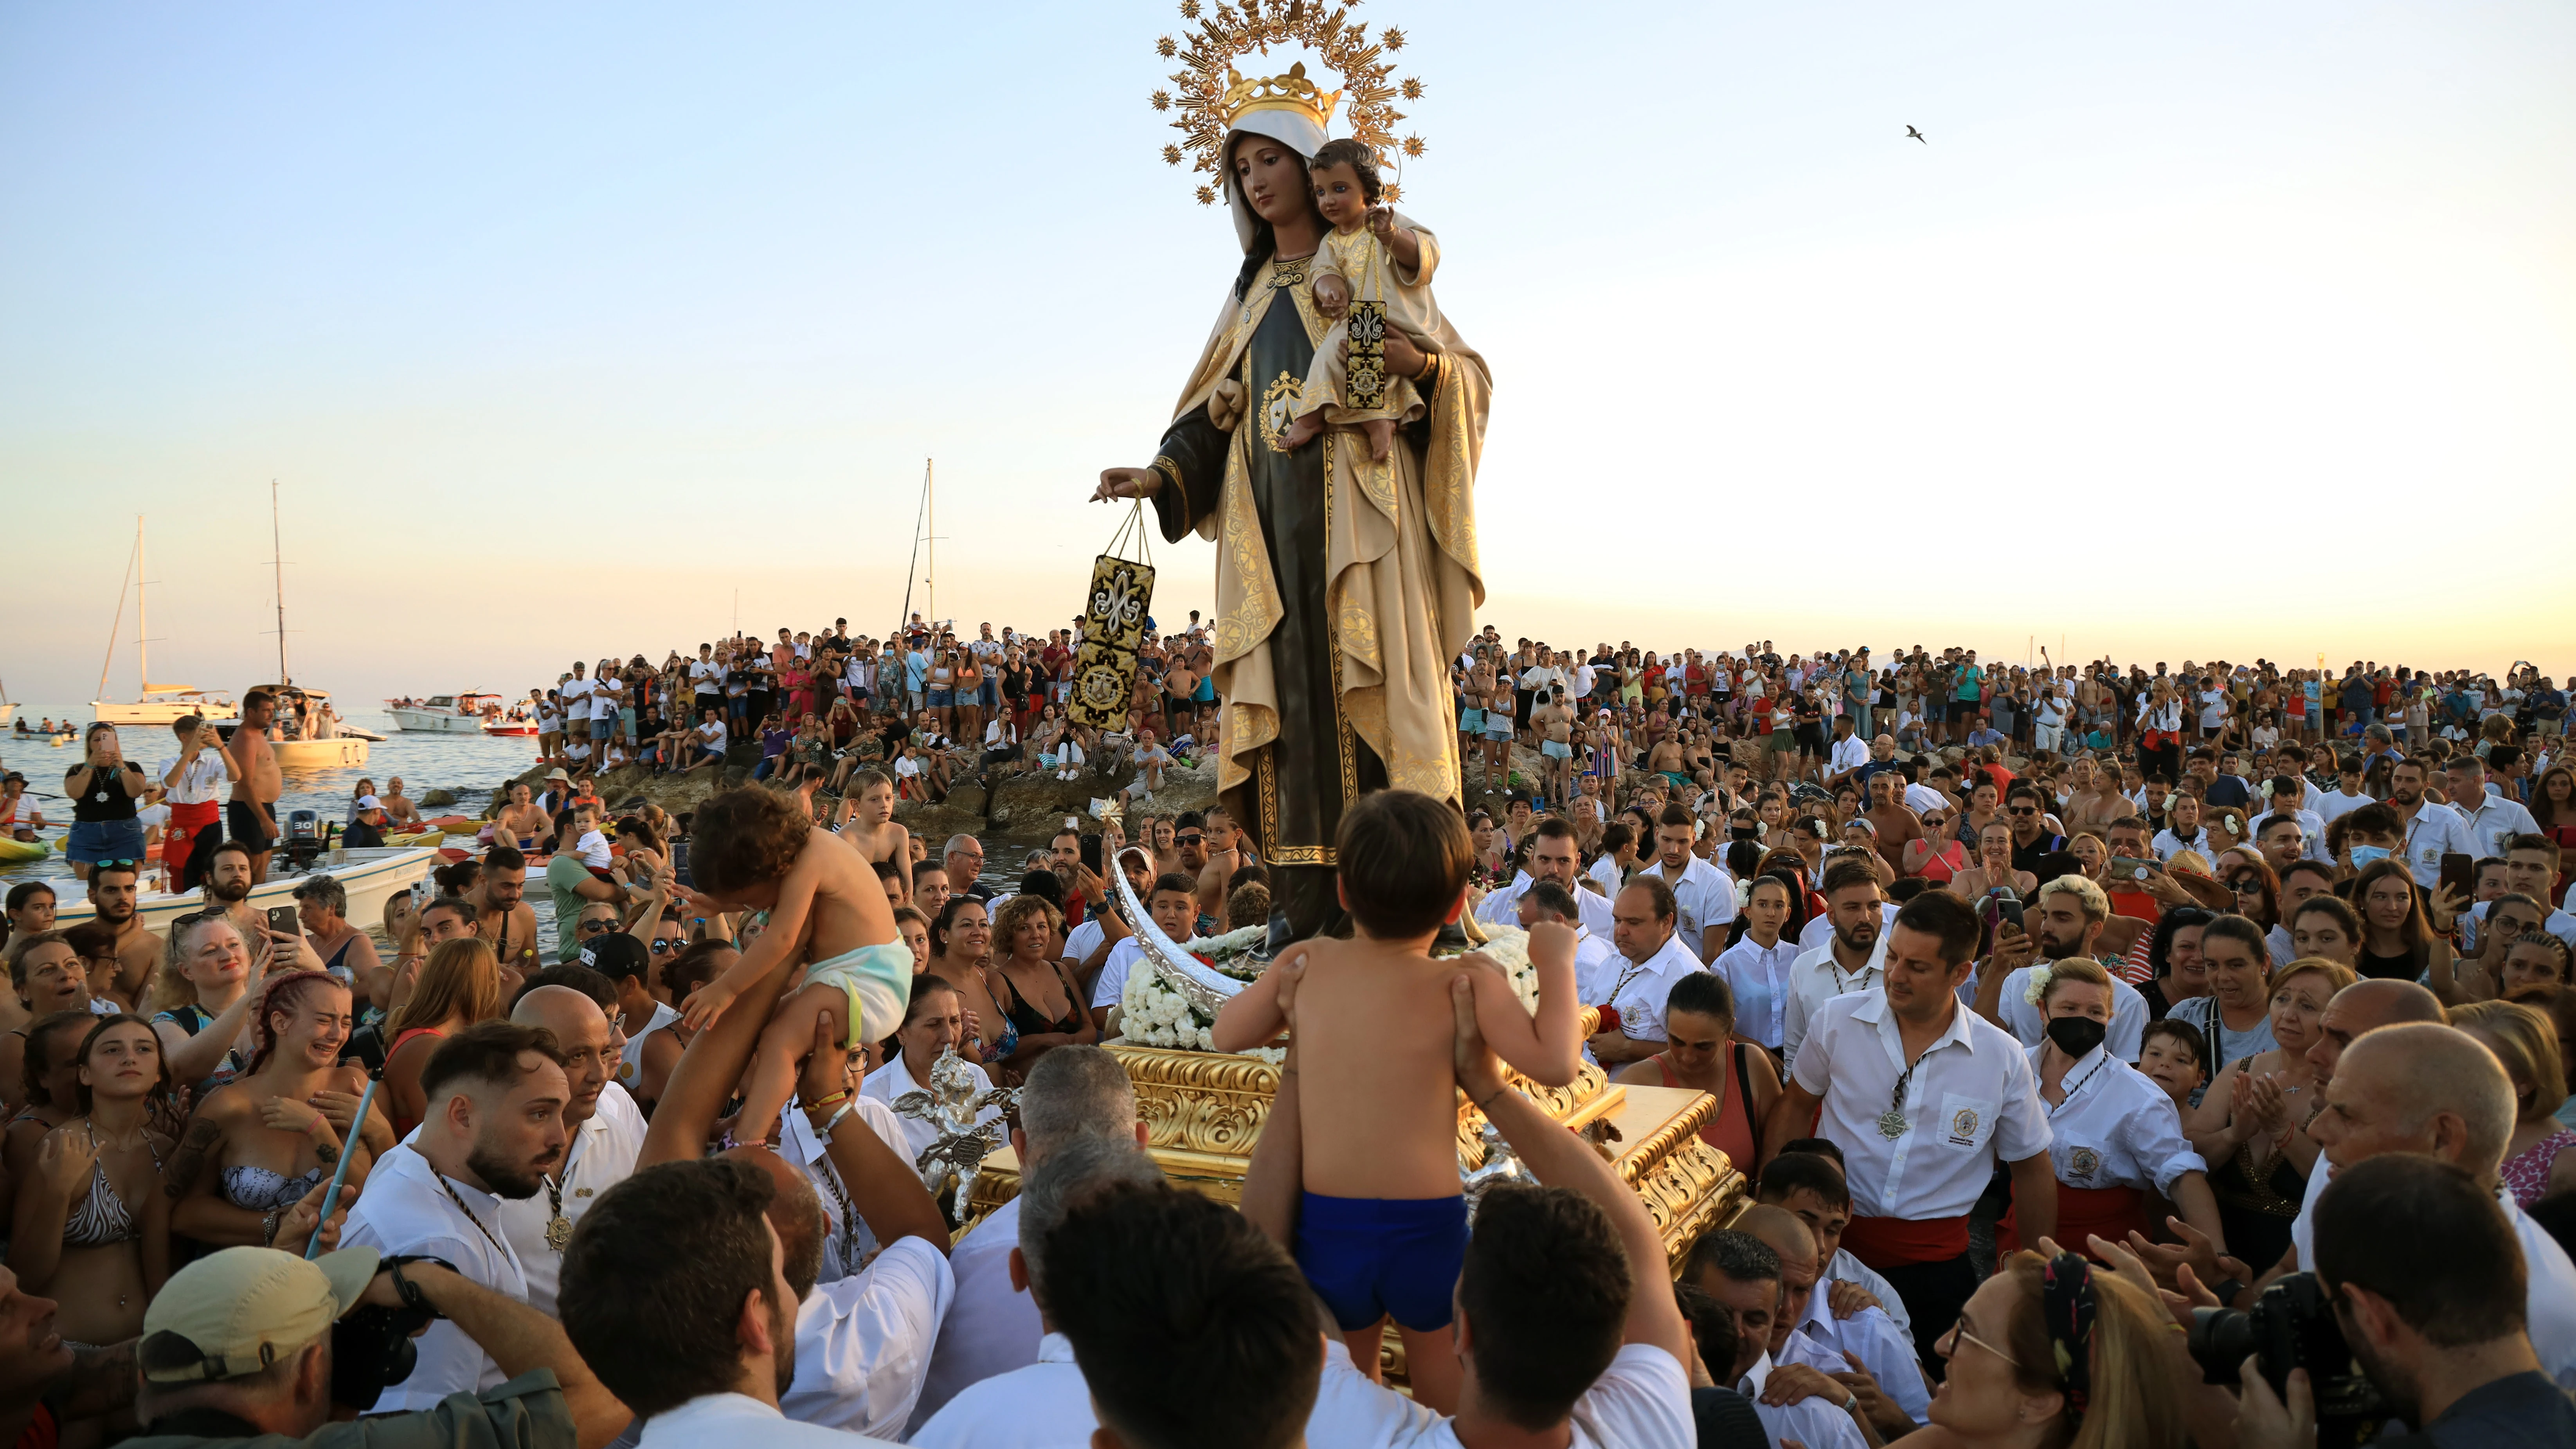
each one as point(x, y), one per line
point(923, 705)
point(2028, 1045)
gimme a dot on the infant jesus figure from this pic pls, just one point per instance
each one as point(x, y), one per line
point(1369, 255)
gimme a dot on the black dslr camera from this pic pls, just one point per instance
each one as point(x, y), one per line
point(2291, 1325)
point(371, 1347)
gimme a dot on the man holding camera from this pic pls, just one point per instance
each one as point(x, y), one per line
point(2428, 1288)
point(253, 1341)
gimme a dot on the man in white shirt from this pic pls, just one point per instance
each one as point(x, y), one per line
point(1553, 856)
point(195, 788)
point(495, 1095)
point(1924, 1097)
point(1849, 753)
point(1809, 1183)
point(601, 1145)
point(2530, 869)
point(676, 1290)
point(1642, 929)
point(1045, 1401)
point(2492, 819)
point(1703, 894)
point(1808, 1341)
point(1850, 961)
point(2433, 830)
point(1744, 1275)
point(2347, 795)
point(1073, 1094)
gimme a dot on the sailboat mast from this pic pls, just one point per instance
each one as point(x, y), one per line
point(118, 622)
point(277, 557)
point(142, 624)
point(930, 576)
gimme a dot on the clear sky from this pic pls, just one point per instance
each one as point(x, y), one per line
point(2195, 330)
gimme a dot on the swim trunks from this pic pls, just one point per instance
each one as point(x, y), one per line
point(243, 822)
point(1556, 749)
point(1371, 1258)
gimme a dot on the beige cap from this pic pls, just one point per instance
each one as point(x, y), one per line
point(238, 1311)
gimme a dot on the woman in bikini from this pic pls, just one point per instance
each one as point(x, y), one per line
point(259, 1144)
point(47, 1093)
point(1702, 1053)
point(458, 986)
point(91, 1229)
point(1035, 993)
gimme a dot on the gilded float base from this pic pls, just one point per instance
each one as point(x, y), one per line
point(1203, 1111)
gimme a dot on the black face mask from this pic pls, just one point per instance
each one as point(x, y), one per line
point(2076, 1035)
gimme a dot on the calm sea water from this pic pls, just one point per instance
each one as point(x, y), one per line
point(470, 765)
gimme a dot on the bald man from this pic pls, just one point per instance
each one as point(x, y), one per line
point(2427, 1089)
point(2366, 1006)
point(1862, 1358)
point(602, 1138)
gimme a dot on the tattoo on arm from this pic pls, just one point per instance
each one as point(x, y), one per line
point(328, 1153)
point(190, 1159)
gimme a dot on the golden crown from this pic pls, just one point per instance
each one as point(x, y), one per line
point(1211, 95)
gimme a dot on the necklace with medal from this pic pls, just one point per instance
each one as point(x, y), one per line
point(1892, 1123)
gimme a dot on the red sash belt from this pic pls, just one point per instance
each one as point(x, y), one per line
point(2108, 1212)
point(185, 822)
point(1885, 1243)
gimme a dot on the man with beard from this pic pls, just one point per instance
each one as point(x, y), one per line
point(112, 886)
point(1925, 1098)
point(1703, 894)
point(251, 814)
point(494, 1130)
point(603, 1134)
point(1553, 857)
point(2065, 923)
point(1642, 927)
point(230, 873)
point(2026, 811)
point(2432, 829)
point(502, 914)
point(1852, 960)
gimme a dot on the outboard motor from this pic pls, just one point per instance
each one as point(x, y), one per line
point(304, 842)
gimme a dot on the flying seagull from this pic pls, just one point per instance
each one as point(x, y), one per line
point(1917, 135)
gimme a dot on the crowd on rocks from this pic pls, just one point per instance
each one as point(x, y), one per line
point(2029, 1044)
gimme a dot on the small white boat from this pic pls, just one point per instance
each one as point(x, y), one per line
point(369, 876)
point(447, 714)
point(342, 747)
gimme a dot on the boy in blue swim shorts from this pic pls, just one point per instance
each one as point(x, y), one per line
point(1382, 1228)
point(757, 850)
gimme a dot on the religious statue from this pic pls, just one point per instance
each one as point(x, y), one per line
point(1346, 582)
point(952, 1104)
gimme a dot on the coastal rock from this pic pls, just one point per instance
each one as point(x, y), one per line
point(432, 799)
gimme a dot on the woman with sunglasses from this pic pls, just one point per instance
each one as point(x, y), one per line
point(2056, 1354)
point(2257, 889)
point(1936, 855)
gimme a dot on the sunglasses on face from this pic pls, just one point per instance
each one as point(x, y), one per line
point(2024, 810)
point(1192, 838)
point(594, 928)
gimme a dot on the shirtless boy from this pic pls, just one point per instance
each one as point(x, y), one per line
point(251, 814)
point(1554, 721)
point(868, 824)
point(755, 850)
point(1382, 1228)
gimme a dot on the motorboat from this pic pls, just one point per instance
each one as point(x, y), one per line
point(153, 704)
point(8, 711)
point(370, 876)
point(447, 714)
point(305, 733)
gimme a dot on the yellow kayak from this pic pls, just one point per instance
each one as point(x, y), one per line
point(14, 851)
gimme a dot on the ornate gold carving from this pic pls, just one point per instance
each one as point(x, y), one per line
point(1278, 405)
point(1203, 1111)
point(1212, 95)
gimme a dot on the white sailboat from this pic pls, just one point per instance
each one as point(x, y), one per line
point(154, 704)
point(305, 732)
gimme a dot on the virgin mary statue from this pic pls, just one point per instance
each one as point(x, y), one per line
point(1345, 586)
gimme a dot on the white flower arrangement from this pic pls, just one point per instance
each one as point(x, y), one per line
point(2035, 986)
point(1151, 1013)
point(1508, 947)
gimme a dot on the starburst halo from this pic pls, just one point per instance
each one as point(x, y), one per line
point(1217, 35)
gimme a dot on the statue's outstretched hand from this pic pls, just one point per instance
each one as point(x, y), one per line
point(1116, 483)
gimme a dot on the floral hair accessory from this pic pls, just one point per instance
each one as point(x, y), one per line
point(2035, 990)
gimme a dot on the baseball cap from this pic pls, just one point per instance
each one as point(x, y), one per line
point(370, 802)
point(616, 955)
point(237, 1311)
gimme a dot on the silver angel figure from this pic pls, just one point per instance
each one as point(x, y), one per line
point(952, 1104)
